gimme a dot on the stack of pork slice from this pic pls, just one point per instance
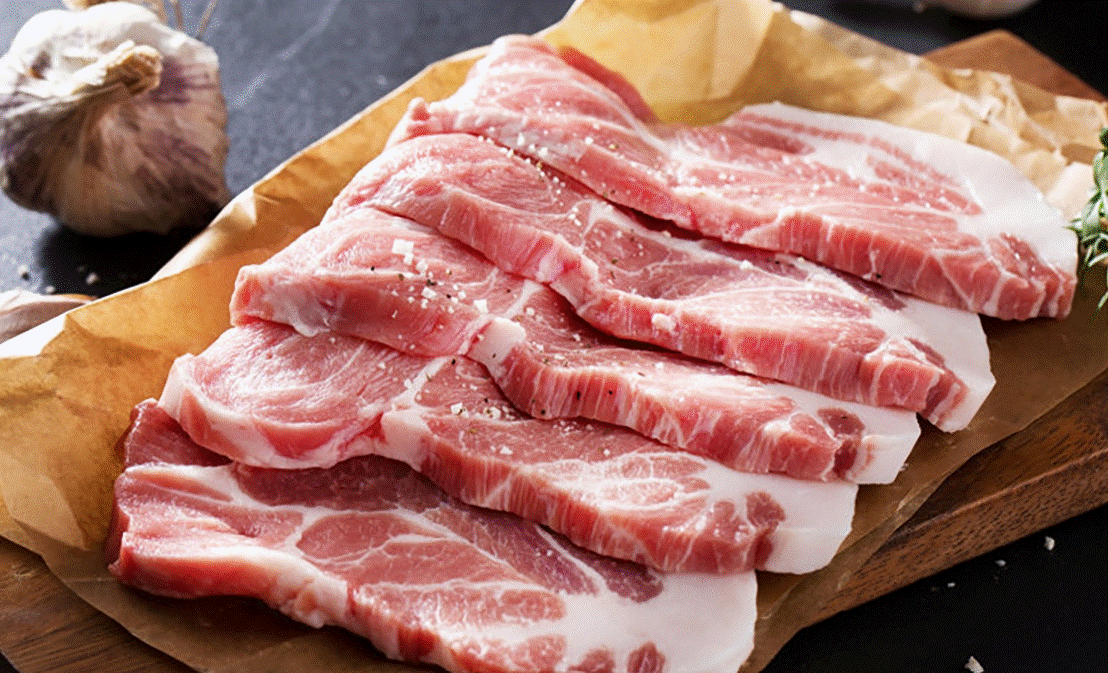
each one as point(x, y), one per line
point(552, 379)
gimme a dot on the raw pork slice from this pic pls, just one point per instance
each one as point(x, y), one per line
point(373, 547)
point(608, 489)
point(390, 280)
point(768, 314)
point(914, 211)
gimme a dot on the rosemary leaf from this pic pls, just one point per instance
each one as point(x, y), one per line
point(1091, 225)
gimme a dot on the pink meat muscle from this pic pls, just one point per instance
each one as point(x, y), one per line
point(387, 279)
point(608, 489)
point(489, 592)
point(914, 211)
point(767, 314)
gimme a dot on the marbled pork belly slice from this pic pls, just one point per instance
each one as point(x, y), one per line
point(768, 314)
point(608, 489)
point(375, 548)
point(388, 279)
point(913, 211)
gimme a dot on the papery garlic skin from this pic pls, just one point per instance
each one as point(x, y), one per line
point(112, 121)
point(156, 6)
point(20, 310)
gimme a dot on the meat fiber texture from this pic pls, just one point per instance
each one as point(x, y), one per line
point(385, 278)
point(373, 547)
point(265, 395)
point(555, 171)
point(772, 315)
point(913, 211)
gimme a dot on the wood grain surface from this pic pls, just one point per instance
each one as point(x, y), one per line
point(1010, 490)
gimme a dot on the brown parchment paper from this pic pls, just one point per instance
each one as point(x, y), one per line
point(64, 404)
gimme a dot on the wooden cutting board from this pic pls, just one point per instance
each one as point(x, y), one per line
point(1014, 488)
point(1008, 491)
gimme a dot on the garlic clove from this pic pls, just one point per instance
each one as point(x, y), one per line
point(112, 121)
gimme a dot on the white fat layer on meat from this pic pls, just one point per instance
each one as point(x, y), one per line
point(527, 290)
point(887, 439)
point(805, 540)
point(249, 444)
point(502, 334)
point(808, 537)
point(956, 335)
point(720, 610)
point(298, 306)
point(1011, 204)
point(960, 339)
point(404, 429)
point(243, 440)
point(297, 587)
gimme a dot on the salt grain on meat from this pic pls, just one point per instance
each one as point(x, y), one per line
point(265, 395)
point(768, 314)
point(914, 211)
point(343, 276)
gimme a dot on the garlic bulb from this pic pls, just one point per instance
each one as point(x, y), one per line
point(112, 121)
point(156, 6)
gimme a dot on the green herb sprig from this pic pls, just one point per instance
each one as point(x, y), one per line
point(1092, 225)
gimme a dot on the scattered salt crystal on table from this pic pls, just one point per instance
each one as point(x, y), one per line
point(974, 666)
point(1048, 542)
